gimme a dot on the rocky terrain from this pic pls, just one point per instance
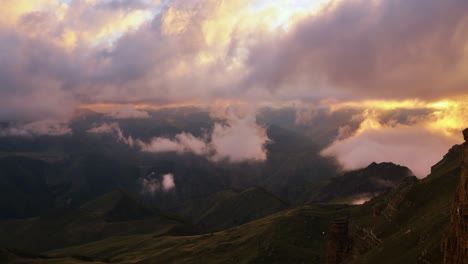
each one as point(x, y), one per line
point(455, 242)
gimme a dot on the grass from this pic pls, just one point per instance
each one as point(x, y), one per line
point(292, 236)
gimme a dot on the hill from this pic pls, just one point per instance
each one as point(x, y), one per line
point(231, 208)
point(292, 236)
point(361, 185)
point(112, 214)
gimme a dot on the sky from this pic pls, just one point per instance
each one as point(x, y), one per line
point(372, 55)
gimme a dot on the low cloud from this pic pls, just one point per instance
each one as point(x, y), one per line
point(362, 198)
point(129, 112)
point(112, 128)
point(236, 139)
point(240, 139)
point(417, 146)
point(181, 143)
point(168, 182)
point(151, 185)
point(38, 128)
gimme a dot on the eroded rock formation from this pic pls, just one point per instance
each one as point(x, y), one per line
point(455, 242)
point(338, 241)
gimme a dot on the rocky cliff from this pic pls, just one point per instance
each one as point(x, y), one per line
point(338, 241)
point(455, 242)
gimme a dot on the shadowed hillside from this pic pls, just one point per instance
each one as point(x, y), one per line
point(230, 208)
point(363, 184)
point(405, 224)
point(113, 214)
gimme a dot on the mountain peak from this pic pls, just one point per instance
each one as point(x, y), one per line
point(385, 165)
point(465, 134)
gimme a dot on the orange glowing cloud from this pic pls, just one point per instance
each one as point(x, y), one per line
point(418, 145)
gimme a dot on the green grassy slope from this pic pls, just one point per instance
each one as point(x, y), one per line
point(292, 236)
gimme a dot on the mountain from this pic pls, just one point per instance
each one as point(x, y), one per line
point(33, 183)
point(23, 187)
point(360, 185)
point(113, 214)
point(406, 224)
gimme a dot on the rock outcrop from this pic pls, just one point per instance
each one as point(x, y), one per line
point(455, 242)
point(452, 154)
point(338, 241)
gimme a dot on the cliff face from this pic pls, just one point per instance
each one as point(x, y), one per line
point(338, 241)
point(455, 243)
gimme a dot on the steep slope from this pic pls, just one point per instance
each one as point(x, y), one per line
point(455, 243)
point(405, 225)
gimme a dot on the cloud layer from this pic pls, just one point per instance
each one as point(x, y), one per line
point(56, 56)
point(129, 112)
point(37, 128)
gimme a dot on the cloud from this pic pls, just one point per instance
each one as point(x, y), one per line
point(56, 56)
point(129, 112)
point(112, 128)
point(416, 146)
point(152, 185)
point(38, 128)
point(238, 139)
point(182, 143)
point(305, 114)
point(369, 49)
point(168, 182)
point(362, 198)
